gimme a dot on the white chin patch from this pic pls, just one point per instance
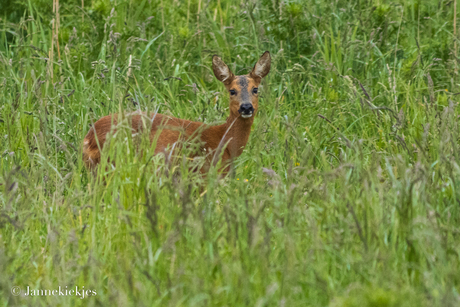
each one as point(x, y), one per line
point(246, 115)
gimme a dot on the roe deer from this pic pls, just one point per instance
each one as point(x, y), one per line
point(168, 130)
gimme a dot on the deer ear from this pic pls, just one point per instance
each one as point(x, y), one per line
point(221, 70)
point(262, 67)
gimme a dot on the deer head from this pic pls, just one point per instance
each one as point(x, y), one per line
point(243, 90)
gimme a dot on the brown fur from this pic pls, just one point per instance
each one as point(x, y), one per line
point(169, 130)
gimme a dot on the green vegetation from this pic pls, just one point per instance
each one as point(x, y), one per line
point(348, 193)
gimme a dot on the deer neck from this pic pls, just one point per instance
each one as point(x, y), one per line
point(236, 134)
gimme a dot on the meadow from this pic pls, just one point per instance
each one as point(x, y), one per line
point(346, 194)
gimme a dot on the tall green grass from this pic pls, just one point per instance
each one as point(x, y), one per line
point(346, 194)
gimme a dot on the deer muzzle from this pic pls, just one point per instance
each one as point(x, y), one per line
point(246, 110)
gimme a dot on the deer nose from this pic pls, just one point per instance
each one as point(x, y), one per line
point(246, 108)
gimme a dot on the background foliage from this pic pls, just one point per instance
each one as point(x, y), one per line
point(346, 195)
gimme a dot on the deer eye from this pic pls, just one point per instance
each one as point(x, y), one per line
point(254, 90)
point(232, 92)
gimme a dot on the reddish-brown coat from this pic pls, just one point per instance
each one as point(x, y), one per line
point(167, 130)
